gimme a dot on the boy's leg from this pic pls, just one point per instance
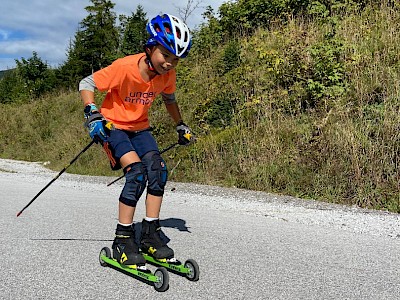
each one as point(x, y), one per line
point(153, 206)
point(156, 171)
point(151, 240)
point(126, 212)
point(125, 249)
point(147, 149)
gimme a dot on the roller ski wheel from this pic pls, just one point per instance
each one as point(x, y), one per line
point(194, 270)
point(190, 269)
point(105, 252)
point(163, 280)
point(159, 280)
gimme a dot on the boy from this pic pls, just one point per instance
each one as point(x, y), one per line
point(132, 83)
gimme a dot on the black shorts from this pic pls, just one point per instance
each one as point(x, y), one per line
point(121, 142)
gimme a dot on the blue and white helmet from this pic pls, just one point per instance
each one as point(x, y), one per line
point(170, 32)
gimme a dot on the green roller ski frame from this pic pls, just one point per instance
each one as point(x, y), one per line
point(190, 269)
point(159, 279)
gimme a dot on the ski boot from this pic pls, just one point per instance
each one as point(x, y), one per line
point(127, 258)
point(152, 243)
point(156, 252)
point(125, 250)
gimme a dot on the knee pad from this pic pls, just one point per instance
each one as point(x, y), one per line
point(135, 183)
point(157, 173)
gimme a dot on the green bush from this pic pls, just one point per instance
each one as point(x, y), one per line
point(245, 16)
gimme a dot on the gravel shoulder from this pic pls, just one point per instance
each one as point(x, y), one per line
point(271, 206)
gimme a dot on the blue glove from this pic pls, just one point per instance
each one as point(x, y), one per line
point(185, 136)
point(95, 123)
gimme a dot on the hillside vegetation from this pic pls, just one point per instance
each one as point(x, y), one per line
point(307, 107)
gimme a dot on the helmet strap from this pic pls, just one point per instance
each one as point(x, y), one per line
point(148, 61)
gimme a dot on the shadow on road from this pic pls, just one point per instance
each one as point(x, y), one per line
point(166, 223)
point(175, 223)
point(71, 239)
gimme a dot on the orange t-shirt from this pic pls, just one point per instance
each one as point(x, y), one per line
point(129, 97)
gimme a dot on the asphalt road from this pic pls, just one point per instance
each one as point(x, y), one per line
point(249, 245)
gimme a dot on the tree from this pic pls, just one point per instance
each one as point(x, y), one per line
point(37, 76)
point(133, 30)
point(29, 80)
point(209, 36)
point(96, 42)
point(191, 6)
point(99, 34)
point(10, 87)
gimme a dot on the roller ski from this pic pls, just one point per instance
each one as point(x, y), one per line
point(156, 252)
point(127, 258)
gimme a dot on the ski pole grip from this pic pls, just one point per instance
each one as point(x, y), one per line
point(110, 126)
point(188, 136)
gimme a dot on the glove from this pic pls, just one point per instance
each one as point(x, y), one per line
point(185, 136)
point(95, 122)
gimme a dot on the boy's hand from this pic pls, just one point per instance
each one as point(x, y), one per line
point(185, 136)
point(95, 122)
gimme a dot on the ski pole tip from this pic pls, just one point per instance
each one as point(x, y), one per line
point(18, 214)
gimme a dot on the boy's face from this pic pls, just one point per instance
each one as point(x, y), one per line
point(163, 60)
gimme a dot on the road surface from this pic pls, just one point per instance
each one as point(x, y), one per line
point(249, 245)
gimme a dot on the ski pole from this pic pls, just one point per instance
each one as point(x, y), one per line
point(58, 175)
point(161, 152)
point(169, 147)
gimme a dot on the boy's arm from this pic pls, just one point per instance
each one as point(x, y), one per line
point(174, 112)
point(185, 136)
point(86, 90)
point(172, 107)
point(87, 97)
point(94, 119)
